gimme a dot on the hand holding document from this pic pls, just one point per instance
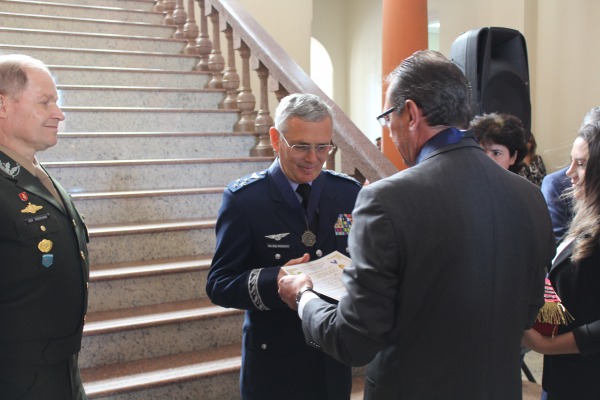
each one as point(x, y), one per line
point(325, 273)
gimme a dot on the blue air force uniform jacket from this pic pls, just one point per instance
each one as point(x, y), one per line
point(259, 228)
point(43, 271)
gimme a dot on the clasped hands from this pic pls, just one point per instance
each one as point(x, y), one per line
point(290, 285)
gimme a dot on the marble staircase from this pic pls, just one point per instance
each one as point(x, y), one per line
point(145, 151)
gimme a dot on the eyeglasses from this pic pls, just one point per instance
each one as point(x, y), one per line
point(303, 149)
point(384, 118)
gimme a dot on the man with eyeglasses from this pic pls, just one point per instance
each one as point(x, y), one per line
point(448, 256)
point(292, 210)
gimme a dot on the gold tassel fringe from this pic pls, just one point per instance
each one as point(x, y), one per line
point(554, 313)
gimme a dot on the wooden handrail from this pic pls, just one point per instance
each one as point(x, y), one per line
point(358, 153)
point(360, 157)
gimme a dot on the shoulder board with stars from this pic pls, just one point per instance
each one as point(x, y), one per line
point(341, 175)
point(246, 180)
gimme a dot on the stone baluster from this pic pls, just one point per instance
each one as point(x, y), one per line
point(330, 162)
point(231, 79)
point(179, 18)
point(245, 98)
point(190, 29)
point(168, 6)
point(216, 62)
point(263, 120)
point(203, 43)
point(280, 92)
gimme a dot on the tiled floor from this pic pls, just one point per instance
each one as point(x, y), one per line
point(534, 362)
point(531, 391)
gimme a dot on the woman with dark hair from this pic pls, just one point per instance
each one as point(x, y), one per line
point(533, 168)
point(572, 357)
point(502, 136)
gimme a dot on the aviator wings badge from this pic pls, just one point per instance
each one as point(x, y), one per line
point(277, 237)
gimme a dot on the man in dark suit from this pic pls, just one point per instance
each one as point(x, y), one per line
point(263, 223)
point(448, 256)
point(44, 266)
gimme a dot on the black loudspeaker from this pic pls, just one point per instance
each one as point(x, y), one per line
point(494, 60)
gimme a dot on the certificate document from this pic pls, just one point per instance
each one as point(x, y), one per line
point(326, 273)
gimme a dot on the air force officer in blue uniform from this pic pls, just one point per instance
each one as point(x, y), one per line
point(263, 224)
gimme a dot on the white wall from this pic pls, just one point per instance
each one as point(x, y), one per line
point(364, 65)
point(567, 81)
point(563, 66)
point(330, 28)
point(351, 32)
point(289, 22)
point(560, 39)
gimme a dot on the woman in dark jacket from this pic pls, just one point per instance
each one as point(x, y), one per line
point(572, 357)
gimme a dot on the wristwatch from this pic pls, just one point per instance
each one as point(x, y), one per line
point(302, 291)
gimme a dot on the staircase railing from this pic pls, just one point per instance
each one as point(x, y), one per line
point(276, 72)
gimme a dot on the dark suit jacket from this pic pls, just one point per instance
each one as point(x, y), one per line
point(575, 376)
point(43, 271)
point(560, 208)
point(259, 229)
point(448, 261)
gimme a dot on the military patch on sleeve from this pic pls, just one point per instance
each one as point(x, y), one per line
point(253, 290)
point(342, 175)
point(246, 180)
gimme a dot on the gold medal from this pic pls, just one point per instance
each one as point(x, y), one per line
point(31, 209)
point(45, 245)
point(309, 239)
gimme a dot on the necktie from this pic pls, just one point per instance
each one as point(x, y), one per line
point(303, 190)
point(45, 179)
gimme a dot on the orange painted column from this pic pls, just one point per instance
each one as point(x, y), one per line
point(404, 32)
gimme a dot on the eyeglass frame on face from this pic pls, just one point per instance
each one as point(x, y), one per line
point(384, 119)
point(306, 148)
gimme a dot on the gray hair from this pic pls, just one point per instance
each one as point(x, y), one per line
point(436, 85)
point(13, 72)
point(592, 117)
point(306, 106)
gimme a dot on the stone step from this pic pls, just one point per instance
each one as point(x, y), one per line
point(74, 75)
point(78, 11)
point(130, 119)
point(158, 330)
point(146, 5)
point(138, 206)
point(49, 38)
point(108, 176)
point(210, 374)
point(111, 244)
point(105, 58)
point(147, 145)
point(142, 283)
point(137, 96)
point(89, 25)
point(179, 377)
